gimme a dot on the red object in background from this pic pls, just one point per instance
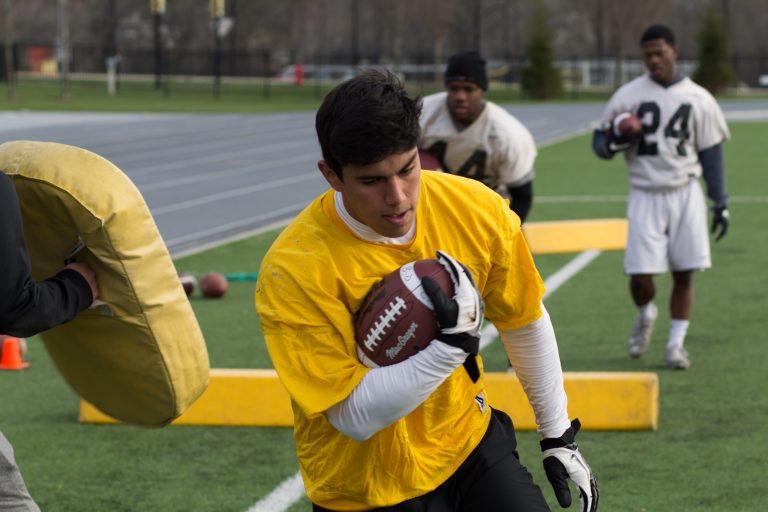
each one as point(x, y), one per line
point(37, 56)
point(298, 74)
point(429, 161)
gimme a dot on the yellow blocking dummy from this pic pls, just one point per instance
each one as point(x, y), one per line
point(140, 355)
point(255, 397)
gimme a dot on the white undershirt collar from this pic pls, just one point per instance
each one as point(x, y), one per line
point(365, 232)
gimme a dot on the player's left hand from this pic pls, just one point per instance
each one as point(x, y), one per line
point(461, 316)
point(563, 460)
point(466, 313)
point(720, 221)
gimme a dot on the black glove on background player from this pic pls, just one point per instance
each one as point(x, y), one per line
point(721, 219)
point(563, 460)
point(460, 317)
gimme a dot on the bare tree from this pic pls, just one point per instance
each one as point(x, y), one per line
point(10, 71)
point(623, 24)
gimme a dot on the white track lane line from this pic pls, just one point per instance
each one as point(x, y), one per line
point(242, 191)
point(291, 489)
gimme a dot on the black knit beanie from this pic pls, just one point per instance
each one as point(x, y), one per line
point(467, 67)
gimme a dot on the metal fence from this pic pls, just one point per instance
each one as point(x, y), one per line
point(578, 72)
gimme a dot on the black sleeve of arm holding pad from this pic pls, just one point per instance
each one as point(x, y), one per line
point(28, 307)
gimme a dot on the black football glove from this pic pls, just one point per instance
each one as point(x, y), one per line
point(563, 460)
point(460, 317)
point(720, 221)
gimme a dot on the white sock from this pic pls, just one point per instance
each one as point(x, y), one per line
point(645, 309)
point(677, 331)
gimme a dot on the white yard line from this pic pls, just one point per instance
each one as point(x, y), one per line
point(291, 489)
point(281, 499)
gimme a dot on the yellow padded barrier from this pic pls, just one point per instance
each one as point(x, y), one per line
point(601, 400)
point(576, 235)
point(140, 355)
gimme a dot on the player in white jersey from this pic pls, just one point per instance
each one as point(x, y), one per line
point(683, 129)
point(473, 137)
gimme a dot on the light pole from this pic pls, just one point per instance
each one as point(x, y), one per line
point(217, 16)
point(64, 48)
point(158, 10)
point(354, 33)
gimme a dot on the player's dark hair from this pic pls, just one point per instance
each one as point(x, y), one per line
point(367, 119)
point(658, 32)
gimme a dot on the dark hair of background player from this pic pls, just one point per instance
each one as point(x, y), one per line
point(658, 32)
point(365, 119)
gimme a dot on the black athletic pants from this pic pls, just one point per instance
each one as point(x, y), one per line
point(490, 480)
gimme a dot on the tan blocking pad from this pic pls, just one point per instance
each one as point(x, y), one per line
point(140, 357)
point(601, 400)
point(576, 235)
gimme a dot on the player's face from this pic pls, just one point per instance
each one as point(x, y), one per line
point(384, 195)
point(465, 101)
point(660, 57)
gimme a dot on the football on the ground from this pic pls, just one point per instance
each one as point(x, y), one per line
point(396, 319)
point(629, 124)
point(188, 282)
point(213, 285)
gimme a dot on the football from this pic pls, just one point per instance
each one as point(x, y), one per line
point(396, 319)
point(429, 161)
point(629, 124)
point(188, 282)
point(213, 285)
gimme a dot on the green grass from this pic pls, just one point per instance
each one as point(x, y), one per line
point(708, 454)
point(255, 96)
point(175, 97)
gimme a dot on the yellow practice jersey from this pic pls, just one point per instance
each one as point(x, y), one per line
point(313, 280)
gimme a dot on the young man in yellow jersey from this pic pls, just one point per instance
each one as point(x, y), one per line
point(418, 435)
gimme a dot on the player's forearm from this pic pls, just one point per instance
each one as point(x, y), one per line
point(713, 170)
point(389, 393)
point(39, 306)
point(532, 350)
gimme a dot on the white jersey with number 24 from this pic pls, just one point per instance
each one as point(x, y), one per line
point(678, 121)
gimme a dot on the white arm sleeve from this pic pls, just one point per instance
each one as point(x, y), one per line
point(532, 350)
point(389, 393)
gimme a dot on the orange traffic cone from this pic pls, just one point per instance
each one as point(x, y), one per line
point(11, 358)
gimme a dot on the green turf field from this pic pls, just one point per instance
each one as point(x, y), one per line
point(708, 455)
point(177, 96)
point(238, 97)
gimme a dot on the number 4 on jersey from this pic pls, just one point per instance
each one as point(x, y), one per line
point(474, 167)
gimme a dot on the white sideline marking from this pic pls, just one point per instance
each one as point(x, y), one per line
point(552, 283)
point(291, 489)
point(286, 494)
